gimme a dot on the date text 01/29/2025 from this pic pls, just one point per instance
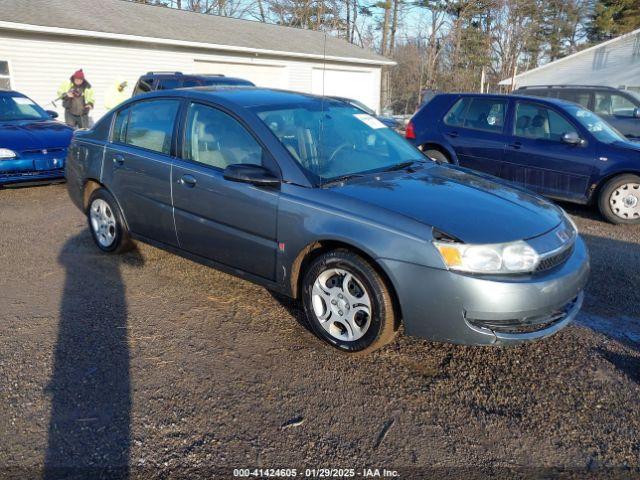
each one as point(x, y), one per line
point(315, 473)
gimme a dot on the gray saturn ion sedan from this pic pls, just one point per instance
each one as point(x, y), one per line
point(317, 200)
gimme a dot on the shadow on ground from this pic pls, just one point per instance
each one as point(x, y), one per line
point(90, 388)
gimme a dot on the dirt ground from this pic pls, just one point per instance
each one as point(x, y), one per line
point(148, 365)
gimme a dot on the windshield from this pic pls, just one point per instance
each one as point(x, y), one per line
point(17, 107)
point(336, 140)
point(362, 107)
point(598, 127)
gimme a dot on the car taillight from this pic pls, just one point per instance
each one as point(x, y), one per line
point(410, 132)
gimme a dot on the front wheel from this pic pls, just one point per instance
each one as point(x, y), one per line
point(106, 223)
point(619, 199)
point(436, 155)
point(348, 303)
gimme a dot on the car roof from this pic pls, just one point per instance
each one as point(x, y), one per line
point(552, 101)
point(563, 86)
point(243, 96)
point(11, 92)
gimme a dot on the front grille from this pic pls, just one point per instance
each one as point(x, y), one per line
point(555, 260)
point(527, 324)
point(39, 153)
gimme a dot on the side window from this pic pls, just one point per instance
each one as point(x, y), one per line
point(455, 116)
point(119, 134)
point(216, 139)
point(169, 83)
point(191, 82)
point(576, 96)
point(540, 123)
point(613, 104)
point(150, 125)
point(540, 92)
point(486, 114)
point(5, 75)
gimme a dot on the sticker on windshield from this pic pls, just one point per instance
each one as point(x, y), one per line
point(369, 120)
point(22, 101)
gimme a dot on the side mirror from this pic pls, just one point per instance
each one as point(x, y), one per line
point(253, 174)
point(52, 113)
point(572, 138)
point(636, 113)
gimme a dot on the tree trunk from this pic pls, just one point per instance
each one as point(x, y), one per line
point(394, 25)
point(385, 27)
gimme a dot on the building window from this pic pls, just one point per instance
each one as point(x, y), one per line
point(5, 77)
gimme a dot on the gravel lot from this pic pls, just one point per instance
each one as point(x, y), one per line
point(149, 365)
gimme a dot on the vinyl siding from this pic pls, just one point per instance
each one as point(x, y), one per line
point(41, 62)
point(614, 64)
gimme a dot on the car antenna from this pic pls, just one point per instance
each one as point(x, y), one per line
point(321, 132)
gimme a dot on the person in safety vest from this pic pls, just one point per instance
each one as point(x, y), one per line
point(77, 99)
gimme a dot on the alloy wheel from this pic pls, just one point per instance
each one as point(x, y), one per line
point(341, 304)
point(103, 222)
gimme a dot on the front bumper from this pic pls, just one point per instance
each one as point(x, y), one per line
point(45, 176)
point(37, 166)
point(446, 306)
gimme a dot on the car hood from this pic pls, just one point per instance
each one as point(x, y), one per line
point(34, 135)
point(470, 207)
point(626, 146)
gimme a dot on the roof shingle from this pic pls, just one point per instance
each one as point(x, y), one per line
point(129, 18)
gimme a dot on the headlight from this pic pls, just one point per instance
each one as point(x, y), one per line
point(6, 153)
point(570, 220)
point(515, 257)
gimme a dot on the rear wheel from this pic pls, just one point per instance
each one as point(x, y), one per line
point(436, 155)
point(348, 303)
point(619, 199)
point(106, 223)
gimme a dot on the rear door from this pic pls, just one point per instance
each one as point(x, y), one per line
point(618, 110)
point(474, 127)
point(229, 222)
point(137, 166)
point(538, 159)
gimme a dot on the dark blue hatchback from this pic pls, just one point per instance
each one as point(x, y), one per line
point(553, 147)
point(33, 146)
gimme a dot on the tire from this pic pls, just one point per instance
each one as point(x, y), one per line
point(348, 324)
point(106, 223)
point(437, 155)
point(619, 199)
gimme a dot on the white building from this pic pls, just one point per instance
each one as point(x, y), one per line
point(42, 42)
point(614, 63)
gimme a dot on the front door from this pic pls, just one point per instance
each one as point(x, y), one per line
point(474, 128)
point(229, 222)
point(137, 167)
point(537, 158)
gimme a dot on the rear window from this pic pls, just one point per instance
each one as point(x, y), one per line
point(478, 113)
point(143, 86)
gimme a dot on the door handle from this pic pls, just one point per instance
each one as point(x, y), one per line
point(188, 181)
point(515, 145)
point(118, 160)
point(453, 134)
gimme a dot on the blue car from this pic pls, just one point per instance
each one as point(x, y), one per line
point(33, 145)
point(551, 146)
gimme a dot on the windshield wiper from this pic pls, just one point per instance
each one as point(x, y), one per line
point(342, 178)
point(401, 165)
